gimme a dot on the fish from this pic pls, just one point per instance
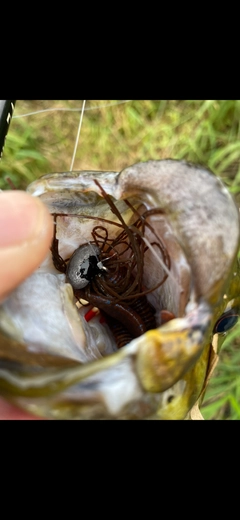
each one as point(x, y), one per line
point(177, 226)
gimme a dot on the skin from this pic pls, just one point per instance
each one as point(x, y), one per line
point(26, 230)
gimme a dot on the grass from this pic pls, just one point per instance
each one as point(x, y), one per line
point(114, 136)
point(222, 399)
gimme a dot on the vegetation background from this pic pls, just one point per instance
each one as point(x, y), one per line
point(115, 134)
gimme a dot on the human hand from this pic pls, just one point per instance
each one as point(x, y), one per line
point(26, 230)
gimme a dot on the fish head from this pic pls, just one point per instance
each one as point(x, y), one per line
point(57, 364)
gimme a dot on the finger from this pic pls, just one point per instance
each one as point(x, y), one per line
point(8, 412)
point(25, 237)
point(26, 230)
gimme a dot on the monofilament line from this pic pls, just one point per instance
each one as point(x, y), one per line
point(165, 268)
point(78, 135)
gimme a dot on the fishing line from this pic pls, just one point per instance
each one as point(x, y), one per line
point(78, 135)
point(165, 268)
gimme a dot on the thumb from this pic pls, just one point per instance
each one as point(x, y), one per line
point(26, 230)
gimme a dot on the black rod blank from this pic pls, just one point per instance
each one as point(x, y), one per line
point(6, 112)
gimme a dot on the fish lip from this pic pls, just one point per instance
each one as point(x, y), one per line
point(53, 182)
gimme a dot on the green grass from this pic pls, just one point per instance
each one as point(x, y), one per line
point(113, 137)
point(222, 399)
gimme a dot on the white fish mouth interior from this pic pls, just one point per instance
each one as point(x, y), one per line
point(172, 295)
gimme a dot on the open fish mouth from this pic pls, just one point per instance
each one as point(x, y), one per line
point(87, 335)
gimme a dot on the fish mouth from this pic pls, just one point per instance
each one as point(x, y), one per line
point(82, 370)
point(165, 280)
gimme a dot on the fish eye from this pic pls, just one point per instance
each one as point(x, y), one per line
point(227, 321)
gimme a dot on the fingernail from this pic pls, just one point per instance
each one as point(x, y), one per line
point(22, 217)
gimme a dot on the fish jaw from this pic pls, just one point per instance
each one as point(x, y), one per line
point(202, 213)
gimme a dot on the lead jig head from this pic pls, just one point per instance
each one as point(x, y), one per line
point(83, 266)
